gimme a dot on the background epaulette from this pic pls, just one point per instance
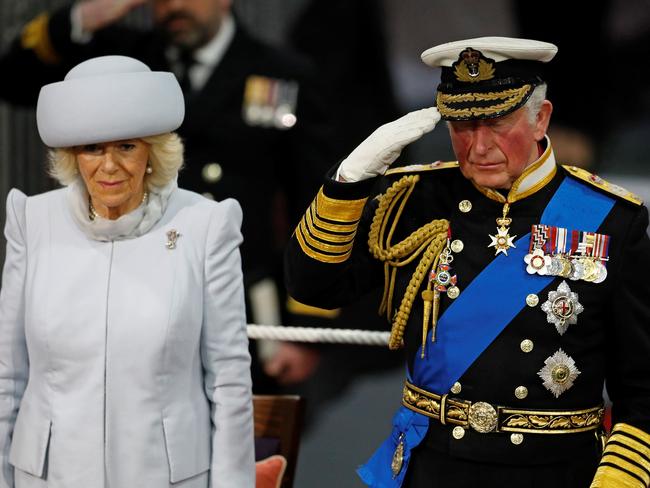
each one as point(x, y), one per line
point(604, 185)
point(418, 168)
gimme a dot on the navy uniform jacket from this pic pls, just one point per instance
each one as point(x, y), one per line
point(256, 163)
point(609, 343)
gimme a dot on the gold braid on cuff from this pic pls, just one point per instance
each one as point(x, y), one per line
point(626, 459)
point(326, 231)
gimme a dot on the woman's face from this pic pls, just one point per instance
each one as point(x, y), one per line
point(114, 175)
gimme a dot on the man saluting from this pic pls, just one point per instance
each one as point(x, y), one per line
point(517, 285)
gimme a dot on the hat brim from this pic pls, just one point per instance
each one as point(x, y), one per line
point(107, 108)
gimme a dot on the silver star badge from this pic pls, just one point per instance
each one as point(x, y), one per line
point(502, 241)
point(559, 373)
point(562, 307)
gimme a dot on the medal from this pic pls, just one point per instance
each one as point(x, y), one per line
point(441, 280)
point(559, 373)
point(502, 241)
point(398, 457)
point(537, 262)
point(562, 308)
point(575, 255)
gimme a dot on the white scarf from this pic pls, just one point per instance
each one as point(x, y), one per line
point(133, 224)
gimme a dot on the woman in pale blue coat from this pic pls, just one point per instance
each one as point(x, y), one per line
point(123, 351)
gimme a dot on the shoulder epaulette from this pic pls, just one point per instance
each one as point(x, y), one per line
point(419, 168)
point(604, 185)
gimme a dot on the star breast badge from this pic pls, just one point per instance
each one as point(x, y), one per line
point(562, 307)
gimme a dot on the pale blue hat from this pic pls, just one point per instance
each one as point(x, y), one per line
point(109, 98)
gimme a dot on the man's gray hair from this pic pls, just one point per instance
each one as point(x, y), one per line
point(534, 103)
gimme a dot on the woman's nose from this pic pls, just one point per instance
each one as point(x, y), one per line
point(109, 163)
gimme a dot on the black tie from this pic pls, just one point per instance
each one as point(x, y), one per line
point(185, 63)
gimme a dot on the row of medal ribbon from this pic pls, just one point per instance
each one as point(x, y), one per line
point(576, 255)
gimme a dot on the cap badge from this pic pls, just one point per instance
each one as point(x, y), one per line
point(472, 66)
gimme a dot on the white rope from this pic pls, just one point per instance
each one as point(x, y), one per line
point(309, 334)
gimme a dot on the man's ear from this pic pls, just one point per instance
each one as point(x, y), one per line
point(543, 119)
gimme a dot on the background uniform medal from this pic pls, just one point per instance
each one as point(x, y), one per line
point(270, 102)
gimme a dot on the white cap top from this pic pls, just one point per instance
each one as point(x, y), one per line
point(109, 98)
point(496, 48)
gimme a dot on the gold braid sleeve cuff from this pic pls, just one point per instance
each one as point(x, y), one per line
point(36, 37)
point(626, 459)
point(326, 231)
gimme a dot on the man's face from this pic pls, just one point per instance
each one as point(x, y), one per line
point(190, 24)
point(495, 152)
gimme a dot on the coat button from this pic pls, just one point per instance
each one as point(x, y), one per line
point(532, 300)
point(212, 172)
point(465, 206)
point(456, 388)
point(453, 292)
point(457, 245)
point(516, 439)
point(526, 345)
point(521, 392)
point(458, 432)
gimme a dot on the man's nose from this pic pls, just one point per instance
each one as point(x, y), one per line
point(483, 139)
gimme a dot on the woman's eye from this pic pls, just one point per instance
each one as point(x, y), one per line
point(127, 147)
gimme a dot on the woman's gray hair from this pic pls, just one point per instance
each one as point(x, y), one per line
point(165, 158)
point(534, 102)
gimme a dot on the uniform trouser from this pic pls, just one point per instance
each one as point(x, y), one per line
point(429, 468)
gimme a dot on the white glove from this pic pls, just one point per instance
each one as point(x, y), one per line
point(374, 155)
point(97, 14)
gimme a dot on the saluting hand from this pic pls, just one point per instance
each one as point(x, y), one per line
point(374, 155)
point(96, 14)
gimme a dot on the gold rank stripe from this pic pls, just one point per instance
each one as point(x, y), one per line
point(626, 459)
point(36, 37)
point(418, 168)
point(343, 211)
point(346, 235)
point(326, 231)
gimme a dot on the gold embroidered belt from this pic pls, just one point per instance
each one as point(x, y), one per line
point(483, 417)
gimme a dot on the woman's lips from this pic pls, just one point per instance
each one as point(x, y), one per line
point(110, 184)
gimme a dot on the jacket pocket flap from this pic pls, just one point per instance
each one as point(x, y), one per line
point(29, 442)
point(188, 446)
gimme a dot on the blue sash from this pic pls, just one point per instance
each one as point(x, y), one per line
point(493, 299)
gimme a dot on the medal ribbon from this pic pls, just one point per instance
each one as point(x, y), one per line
point(490, 304)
